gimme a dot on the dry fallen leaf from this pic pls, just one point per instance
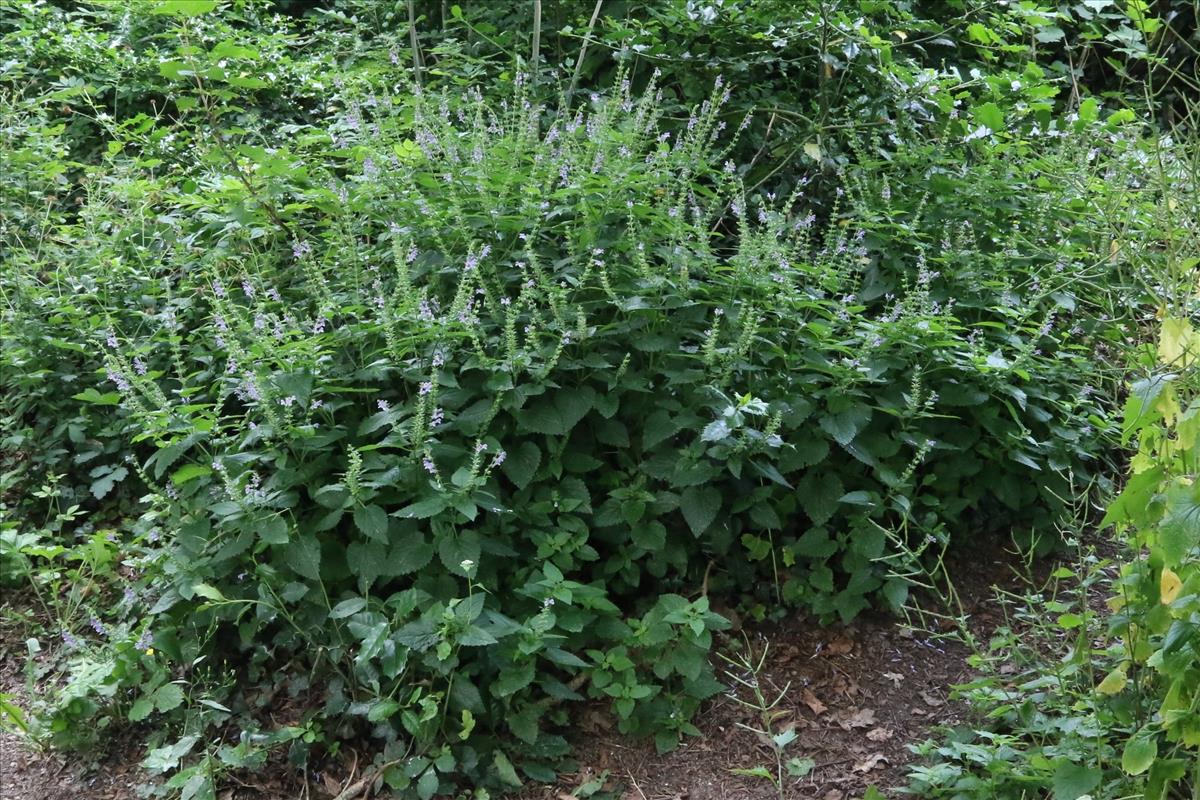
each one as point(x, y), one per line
point(832, 794)
point(879, 734)
point(894, 677)
point(839, 647)
point(863, 718)
point(873, 761)
point(931, 700)
point(812, 702)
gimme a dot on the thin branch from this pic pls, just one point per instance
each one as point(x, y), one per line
point(537, 37)
point(587, 38)
point(412, 39)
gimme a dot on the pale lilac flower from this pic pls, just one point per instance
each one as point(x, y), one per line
point(426, 387)
point(97, 626)
point(383, 405)
point(498, 459)
point(139, 365)
point(247, 289)
point(436, 417)
point(218, 288)
point(111, 340)
point(430, 467)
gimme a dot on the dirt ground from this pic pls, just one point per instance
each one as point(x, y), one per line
point(856, 695)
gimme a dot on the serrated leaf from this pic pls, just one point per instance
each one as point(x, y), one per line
point(453, 550)
point(303, 555)
point(372, 521)
point(141, 709)
point(1072, 781)
point(168, 697)
point(819, 493)
point(424, 509)
point(700, 505)
point(409, 552)
point(521, 464)
point(367, 561)
point(347, 608)
point(274, 531)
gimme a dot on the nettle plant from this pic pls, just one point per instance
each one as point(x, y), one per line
point(457, 409)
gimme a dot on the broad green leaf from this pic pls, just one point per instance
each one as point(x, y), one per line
point(989, 115)
point(372, 521)
point(1140, 752)
point(700, 506)
point(819, 492)
point(521, 463)
point(1072, 781)
point(348, 608)
point(303, 555)
point(182, 8)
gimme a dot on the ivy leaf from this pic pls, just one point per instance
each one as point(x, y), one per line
point(700, 506)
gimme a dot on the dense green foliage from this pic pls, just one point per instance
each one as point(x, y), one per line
point(446, 395)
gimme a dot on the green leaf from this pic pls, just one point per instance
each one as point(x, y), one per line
point(274, 531)
point(189, 472)
point(303, 555)
point(990, 115)
point(168, 697)
point(558, 414)
point(409, 552)
point(505, 770)
point(700, 505)
point(453, 550)
point(424, 509)
point(141, 708)
point(96, 398)
point(427, 786)
point(372, 521)
point(208, 592)
point(659, 426)
point(366, 561)
point(1140, 753)
point(348, 608)
point(522, 463)
point(182, 8)
point(845, 425)
point(1072, 781)
point(513, 679)
point(819, 493)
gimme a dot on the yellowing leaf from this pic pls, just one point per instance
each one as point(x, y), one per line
point(1169, 586)
point(1178, 343)
point(813, 151)
point(1113, 682)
